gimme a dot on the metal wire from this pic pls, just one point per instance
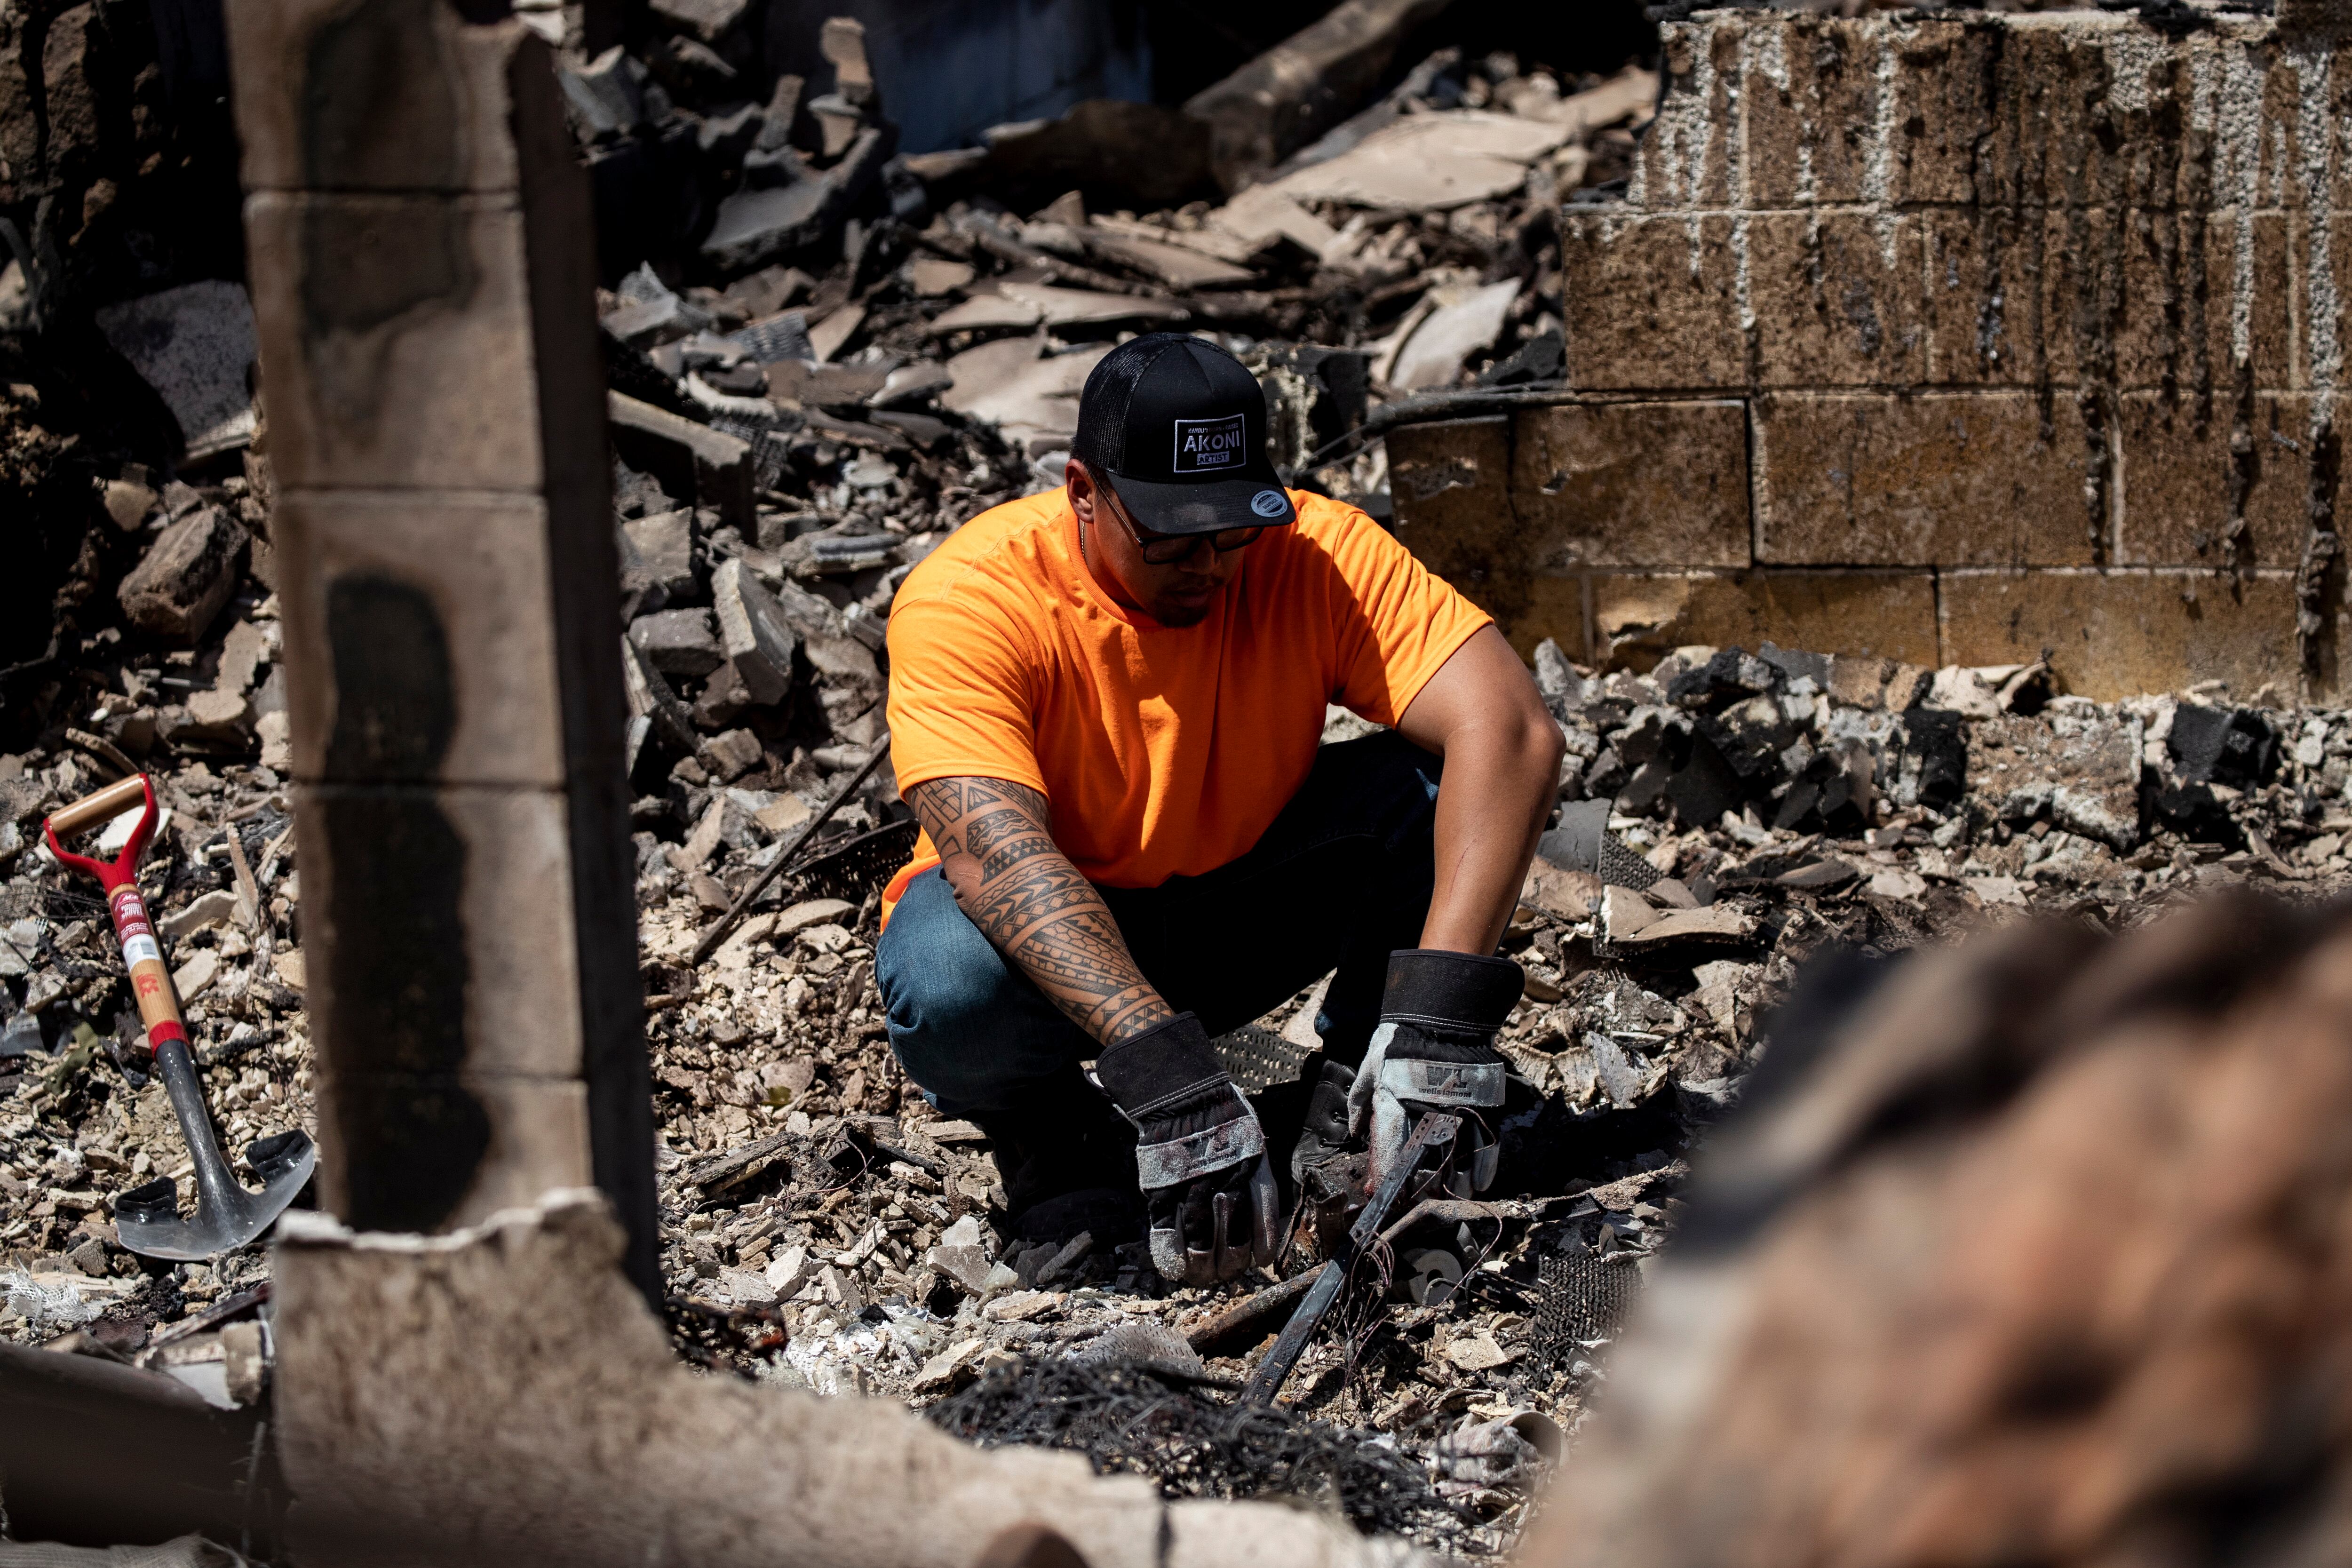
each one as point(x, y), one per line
point(1126, 1419)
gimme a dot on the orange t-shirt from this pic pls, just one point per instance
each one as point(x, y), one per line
point(1163, 750)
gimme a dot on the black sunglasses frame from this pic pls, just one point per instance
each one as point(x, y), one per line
point(1224, 540)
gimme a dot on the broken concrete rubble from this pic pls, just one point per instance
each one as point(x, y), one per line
point(378, 1448)
point(187, 575)
point(792, 441)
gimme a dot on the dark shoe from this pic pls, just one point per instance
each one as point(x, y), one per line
point(1112, 1216)
point(1064, 1141)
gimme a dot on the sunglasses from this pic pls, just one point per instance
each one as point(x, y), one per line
point(1167, 549)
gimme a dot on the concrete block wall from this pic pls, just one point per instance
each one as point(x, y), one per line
point(1957, 338)
point(419, 238)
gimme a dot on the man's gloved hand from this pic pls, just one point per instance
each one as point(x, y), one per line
point(1200, 1155)
point(1434, 1050)
point(1319, 1161)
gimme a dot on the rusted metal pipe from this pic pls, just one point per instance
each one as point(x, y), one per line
point(1250, 1316)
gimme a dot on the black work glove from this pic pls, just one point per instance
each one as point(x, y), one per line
point(1200, 1155)
point(1320, 1162)
point(1434, 1050)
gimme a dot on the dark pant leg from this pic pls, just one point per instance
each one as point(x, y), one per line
point(1340, 879)
point(984, 1042)
point(974, 1033)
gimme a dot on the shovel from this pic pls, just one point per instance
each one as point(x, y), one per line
point(147, 1218)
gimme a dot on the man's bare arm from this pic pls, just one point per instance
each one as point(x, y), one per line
point(1481, 713)
point(996, 846)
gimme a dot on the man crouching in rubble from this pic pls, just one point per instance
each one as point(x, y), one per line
point(1105, 705)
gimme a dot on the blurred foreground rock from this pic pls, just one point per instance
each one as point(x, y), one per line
point(2043, 1254)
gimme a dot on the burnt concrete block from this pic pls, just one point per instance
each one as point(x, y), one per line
point(1733, 675)
point(1833, 792)
point(2110, 635)
point(1737, 755)
point(2293, 175)
point(1708, 785)
point(1969, 479)
point(2193, 498)
point(848, 673)
point(1836, 298)
point(538, 1126)
point(1809, 85)
point(1689, 154)
point(1650, 302)
point(485, 869)
point(680, 643)
point(1453, 489)
point(686, 457)
point(395, 583)
point(1450, 484)
point(1626, 484)
point(658, 557)
point(1932, 766)
point(396, 96)
point(1639, 617)
point(651, 699)
point(2234, 746)
point(2042, 146)
point(438, 429)
point(1982, 304)
point(185, 577)
point(755, 634)
point(1942, 111)
point(2132, 297)
point(460, 901)
point(2178, 320)
point(396, 335)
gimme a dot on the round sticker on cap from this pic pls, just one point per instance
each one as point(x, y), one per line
point(1269, 503)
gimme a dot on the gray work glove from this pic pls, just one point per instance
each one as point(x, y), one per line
point(1199, 1156)
point(1434, 1050)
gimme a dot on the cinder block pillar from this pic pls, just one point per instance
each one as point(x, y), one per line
point(422, 267)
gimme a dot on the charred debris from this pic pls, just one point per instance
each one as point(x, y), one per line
point(858, 350)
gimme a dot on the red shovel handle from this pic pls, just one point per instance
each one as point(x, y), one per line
point(150, 981)
point(105, 806)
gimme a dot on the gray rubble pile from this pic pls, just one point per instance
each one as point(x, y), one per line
point(863, 352)
point(1723, 816)
point(867, 375)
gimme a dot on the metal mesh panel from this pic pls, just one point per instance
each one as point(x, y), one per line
point(1582, 1297)
point(1258, 1059)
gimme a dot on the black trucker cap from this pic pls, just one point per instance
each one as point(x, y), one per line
point(1178, 427)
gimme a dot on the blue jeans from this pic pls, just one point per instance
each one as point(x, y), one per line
point(1340, 879)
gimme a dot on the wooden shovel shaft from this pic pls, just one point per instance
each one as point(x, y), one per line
point(151, 979)
point(106, 804)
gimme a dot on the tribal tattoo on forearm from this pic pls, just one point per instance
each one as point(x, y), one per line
point(997, 844)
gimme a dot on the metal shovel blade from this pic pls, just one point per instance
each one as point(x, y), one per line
point(147, 1218)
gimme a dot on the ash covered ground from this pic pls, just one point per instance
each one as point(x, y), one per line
point(823, 1227)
